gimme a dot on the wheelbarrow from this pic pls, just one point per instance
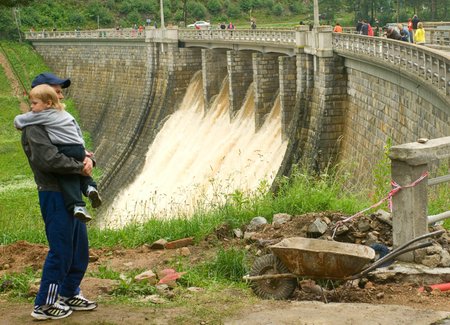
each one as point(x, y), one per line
point(274, 276)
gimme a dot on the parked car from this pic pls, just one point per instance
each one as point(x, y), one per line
point(391, 25)
point(201, 24)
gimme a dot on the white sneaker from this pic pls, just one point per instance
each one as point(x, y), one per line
point(78, 302)
point(81, 213)
point(55, 311)
point(94, 197)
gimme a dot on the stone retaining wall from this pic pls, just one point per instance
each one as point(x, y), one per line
point(379, 109)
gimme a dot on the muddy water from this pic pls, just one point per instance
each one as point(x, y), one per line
point(199, 157)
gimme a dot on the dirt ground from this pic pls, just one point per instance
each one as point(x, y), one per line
point(352, 303)
point(15, 86)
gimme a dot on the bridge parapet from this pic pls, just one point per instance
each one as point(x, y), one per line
point(86, 34)
point(273, 36)
point(431, 66)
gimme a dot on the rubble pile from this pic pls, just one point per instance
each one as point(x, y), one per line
point(366, 230)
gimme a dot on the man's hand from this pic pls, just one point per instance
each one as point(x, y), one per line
point(88, 165)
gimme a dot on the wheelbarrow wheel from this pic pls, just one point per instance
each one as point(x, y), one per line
point(281, 288)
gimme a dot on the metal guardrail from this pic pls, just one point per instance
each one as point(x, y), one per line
point(430, 65)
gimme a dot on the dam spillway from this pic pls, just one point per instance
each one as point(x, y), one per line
point(200, 157)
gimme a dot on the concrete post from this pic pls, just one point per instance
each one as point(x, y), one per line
point(300, 36)
point(409, 212)
point(409, 209)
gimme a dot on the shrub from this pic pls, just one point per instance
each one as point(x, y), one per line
point(214, 6)
point(277, 10)
point(233, 11)
point(196, 10)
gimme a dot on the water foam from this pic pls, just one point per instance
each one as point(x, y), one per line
point(198, 157)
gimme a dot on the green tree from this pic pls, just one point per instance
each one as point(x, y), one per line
point(196, 9)
point(277, 9)
point(233, 10)
point(214, 6)
point(246, 5)
point(296, 7)
point(15, 3)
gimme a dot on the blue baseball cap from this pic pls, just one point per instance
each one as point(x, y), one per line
point(49, 79)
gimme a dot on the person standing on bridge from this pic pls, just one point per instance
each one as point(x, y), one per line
point(415, 21)
point(337, 28)
point(410, 30)
point(419, 36)
point(68, 257)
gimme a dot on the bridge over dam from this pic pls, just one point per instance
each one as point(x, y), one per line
point(339, 97)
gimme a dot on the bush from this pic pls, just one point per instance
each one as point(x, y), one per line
point(233, 11)
point(246, 5)
point(214, 6)
point(277, 10)
point(76, 19)
point(296, 7)
point(196, 10)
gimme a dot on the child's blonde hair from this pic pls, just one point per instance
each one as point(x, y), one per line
point(420, 25)
point(47, 94)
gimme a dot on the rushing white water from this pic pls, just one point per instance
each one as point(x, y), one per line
point(197, 158)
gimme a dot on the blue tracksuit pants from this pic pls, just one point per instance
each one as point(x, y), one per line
point(68, 257)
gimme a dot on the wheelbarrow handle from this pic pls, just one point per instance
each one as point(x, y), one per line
point(388, 258)
point(431, 234)
point(399, 251)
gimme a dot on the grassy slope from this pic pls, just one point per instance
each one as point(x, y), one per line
point(19, 209)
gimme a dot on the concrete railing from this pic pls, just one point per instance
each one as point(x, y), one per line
point(438, 37)
point(87, 34)
point(243, 35)
point(409, 165)
point(432, 66)
point(433, 36)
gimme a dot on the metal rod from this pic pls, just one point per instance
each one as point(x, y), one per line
point(438, 180)
point(398, 251)
point(388, 258)
point(438, 217)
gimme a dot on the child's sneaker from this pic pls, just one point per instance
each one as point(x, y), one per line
point(94, 197)
point(78, 302)
point(55, 311)
point(81, 213)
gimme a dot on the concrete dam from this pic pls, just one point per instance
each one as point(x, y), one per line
point(181, 117)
